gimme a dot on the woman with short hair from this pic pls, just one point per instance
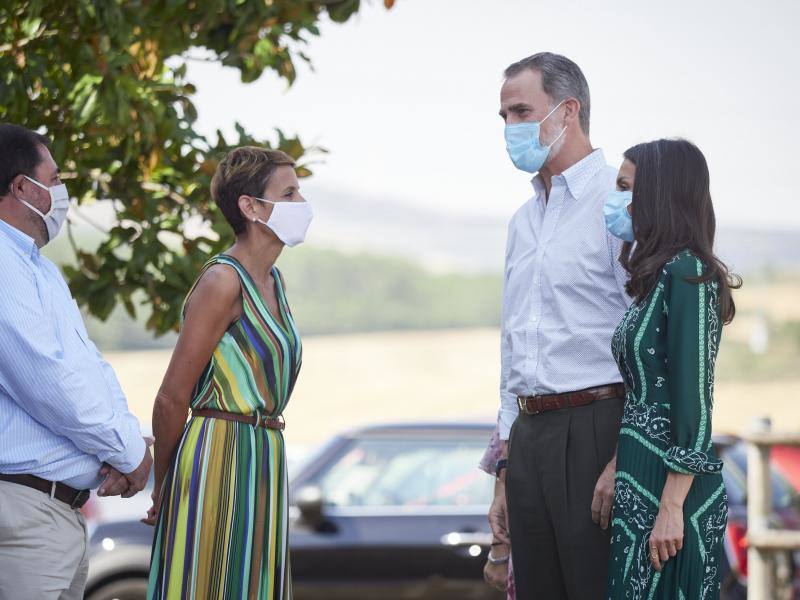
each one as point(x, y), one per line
point(670, 506)
point(220, 498)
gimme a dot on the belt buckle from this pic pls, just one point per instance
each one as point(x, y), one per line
point(522, 402)
point(80, 499)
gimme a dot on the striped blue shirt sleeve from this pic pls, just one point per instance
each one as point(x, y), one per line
point(53, 390)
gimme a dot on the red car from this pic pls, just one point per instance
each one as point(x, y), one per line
point(785, 515)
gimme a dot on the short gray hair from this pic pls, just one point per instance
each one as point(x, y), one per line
point(561, 78)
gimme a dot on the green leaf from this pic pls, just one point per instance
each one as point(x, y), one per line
point(107, 81)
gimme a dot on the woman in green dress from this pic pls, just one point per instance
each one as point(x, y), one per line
point(670, 505)
point(220, 504)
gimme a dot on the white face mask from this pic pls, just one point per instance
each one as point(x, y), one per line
point(59, 205)
point(289, 220)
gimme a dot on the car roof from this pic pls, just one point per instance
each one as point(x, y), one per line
point(421, 427)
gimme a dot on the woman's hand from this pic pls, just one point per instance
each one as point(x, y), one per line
point(667, 536)
point(152, 513)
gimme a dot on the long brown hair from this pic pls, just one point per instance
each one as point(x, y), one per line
point(672, 211)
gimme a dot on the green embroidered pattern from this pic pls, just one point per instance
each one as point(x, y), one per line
point(702, 355)
point(638, 341)
point(654, 585)
point(641, 439)
point(642, 490)
point(632, 538)
point(701, 510)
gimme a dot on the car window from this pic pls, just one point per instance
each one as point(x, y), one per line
point(408, 472)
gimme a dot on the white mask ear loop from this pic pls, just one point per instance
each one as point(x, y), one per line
point(31, 206)
point(555, 108)
point(558, 137)
point(259, 219)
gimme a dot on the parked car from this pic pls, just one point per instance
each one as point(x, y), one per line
point(399, 511)
point(786, 460)
point(390, 511)
point(785, 515)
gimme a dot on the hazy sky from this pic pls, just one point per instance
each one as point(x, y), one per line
point(406, 100)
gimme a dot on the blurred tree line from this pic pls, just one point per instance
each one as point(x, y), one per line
point(334, 292)
point(106, 81)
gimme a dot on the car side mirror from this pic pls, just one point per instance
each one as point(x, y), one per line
point(310, 504)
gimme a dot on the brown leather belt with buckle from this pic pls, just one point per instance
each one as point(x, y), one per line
point(254, 420)
point(533, 405)
point(66, 494)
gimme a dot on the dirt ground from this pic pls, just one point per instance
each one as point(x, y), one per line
point(352, 380)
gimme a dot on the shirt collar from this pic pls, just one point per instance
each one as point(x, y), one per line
point(577, 176)
point(22, 241)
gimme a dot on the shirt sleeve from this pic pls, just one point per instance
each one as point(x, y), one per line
point(36, 375)
point(508, 411)
point(692, 339)
point(117, 395)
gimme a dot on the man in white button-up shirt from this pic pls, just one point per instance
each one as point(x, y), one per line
point(65, 427)
point(564, 293)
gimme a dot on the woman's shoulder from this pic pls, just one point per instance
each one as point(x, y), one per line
point(685, 264)
point(219, 277)
point(686, 271)
point(216, 291)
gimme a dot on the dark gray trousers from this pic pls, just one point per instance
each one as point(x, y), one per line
point(554, 460)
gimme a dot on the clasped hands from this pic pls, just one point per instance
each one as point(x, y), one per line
point(127, 485)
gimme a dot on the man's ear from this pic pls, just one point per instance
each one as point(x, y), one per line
point(18, 186)
point(572, 110)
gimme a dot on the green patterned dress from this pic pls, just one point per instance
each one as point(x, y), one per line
point(666, 347)
point(221, 533)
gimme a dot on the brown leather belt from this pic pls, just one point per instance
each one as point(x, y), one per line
point(66, 494)
point(254, 420)
point(533, 405)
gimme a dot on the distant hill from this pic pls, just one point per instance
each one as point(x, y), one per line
point(388, 266)
point(469, 243)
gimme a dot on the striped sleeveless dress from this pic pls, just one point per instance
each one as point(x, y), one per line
point(221, 532)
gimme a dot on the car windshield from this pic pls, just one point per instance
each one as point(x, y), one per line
point(734, 473)
point(410, 472)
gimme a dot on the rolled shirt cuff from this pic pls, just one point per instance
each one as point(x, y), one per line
point(691, 462)
point(130, 457)
point(505, 419)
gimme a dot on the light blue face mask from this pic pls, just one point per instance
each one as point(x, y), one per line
point(618, 220)
point(523, 144)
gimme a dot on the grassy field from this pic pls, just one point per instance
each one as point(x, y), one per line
point(350, 380)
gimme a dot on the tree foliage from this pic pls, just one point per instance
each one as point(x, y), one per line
point(106, 80)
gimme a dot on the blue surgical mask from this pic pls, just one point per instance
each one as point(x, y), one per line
point(523, 144)
point(618, 219)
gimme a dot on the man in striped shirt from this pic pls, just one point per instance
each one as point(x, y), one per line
point(65, 427)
